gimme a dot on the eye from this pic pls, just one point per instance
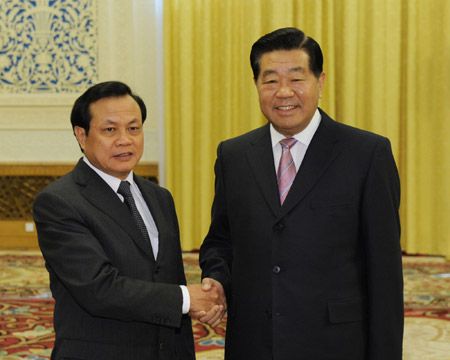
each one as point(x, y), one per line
point(109, 129)
point(135, 130)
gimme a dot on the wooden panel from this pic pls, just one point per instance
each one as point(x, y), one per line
point(147, 169)
point(18, 234)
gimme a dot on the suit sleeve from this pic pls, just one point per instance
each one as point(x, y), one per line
point(79, 266)
point(216, 252)
point(381, 234)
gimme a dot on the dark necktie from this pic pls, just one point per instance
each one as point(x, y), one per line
point(286, 169)
point(124, 190)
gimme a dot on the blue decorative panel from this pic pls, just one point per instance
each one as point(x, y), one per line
point(47, 45)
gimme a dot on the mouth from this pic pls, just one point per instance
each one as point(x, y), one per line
point(286, 107)
point(123, 155)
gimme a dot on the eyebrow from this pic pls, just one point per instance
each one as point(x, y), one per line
point(113, 122)
point(294, 69)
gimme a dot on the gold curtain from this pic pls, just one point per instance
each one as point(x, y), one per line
point(388, 71)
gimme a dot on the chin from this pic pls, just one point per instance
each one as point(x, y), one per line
point(122, 169)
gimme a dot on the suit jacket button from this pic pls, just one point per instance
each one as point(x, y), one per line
point(278, 226)
point(276, 269)
point(268, 313)
point(157, 269)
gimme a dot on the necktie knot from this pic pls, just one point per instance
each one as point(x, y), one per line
point(124, 189)
point(288, 143)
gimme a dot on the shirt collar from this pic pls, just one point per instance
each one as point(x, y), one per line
point(305, 136)
point(112, 181)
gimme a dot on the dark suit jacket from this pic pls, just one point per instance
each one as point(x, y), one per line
point(321, 276)
point(112, 299)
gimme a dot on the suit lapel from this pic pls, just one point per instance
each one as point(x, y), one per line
point(260, 158)
point(321, 152)
point(99, 194)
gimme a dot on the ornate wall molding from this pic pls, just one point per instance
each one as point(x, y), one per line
point(47, 45)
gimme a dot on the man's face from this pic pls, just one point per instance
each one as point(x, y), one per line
point(288, 91)
point(116, 140)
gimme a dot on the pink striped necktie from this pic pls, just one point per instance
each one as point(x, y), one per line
point(286, 169)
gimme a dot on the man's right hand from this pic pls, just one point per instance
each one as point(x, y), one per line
point(208, 302)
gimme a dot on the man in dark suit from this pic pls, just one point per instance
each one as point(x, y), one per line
point(305, 235)
point(111, 244)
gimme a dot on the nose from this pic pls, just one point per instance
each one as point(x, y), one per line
point(285, 91)
point(123, 138)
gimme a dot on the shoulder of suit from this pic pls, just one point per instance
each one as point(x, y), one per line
point(247, 138)
point(60, 185)
point(359, 139)
point(349, 132)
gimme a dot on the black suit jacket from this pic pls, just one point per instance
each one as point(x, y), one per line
point(319, 277)
point(112, 299)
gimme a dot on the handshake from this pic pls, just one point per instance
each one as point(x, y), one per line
point(208, 302)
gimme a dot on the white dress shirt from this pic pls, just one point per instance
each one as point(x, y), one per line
point(146, 215)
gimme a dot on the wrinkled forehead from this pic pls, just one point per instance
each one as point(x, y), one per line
point(293, 61)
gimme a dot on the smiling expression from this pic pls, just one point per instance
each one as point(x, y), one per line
point(288, 91)
point(115, 141)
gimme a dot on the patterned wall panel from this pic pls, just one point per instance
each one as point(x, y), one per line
point(19, 185)
point(17, 194)
point(47, 45)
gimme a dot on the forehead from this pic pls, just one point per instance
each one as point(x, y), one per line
point(115, 106)
point(284, 60)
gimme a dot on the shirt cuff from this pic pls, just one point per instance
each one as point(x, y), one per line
point(186, 299)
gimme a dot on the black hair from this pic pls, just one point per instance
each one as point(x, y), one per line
point(81, 115)
point(287, 39)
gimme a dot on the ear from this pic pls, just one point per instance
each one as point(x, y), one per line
point(80, 134)
point(322, 79)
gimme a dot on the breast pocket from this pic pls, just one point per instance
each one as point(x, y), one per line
point(331, 204)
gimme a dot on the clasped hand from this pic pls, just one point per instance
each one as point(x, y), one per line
point(208, 302)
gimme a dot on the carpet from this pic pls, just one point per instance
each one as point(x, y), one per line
point(26, 308)
point(427, 308)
